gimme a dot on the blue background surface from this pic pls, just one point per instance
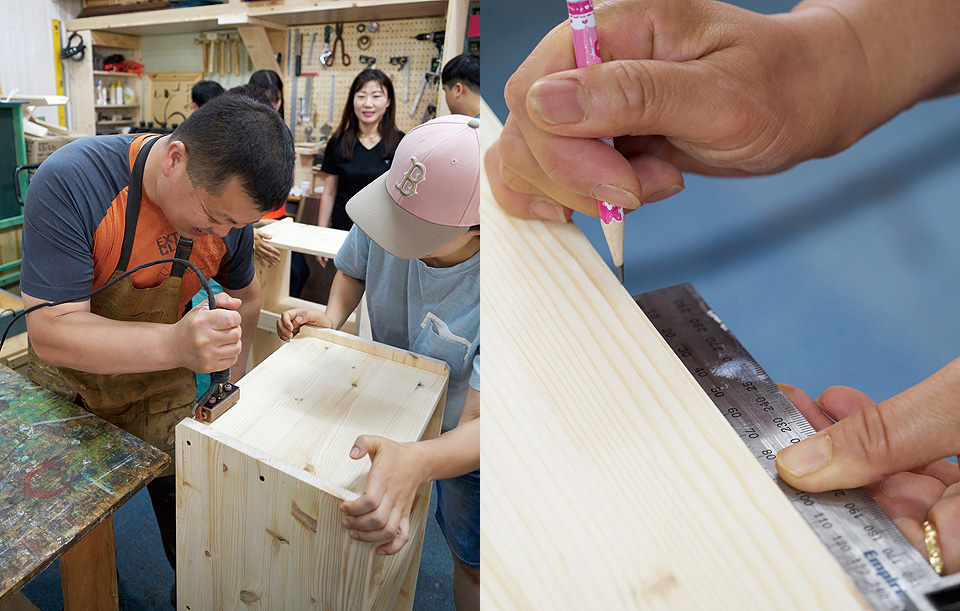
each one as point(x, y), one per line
point(839, 271)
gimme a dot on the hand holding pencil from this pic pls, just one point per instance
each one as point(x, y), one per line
point(686, 87)
point(586, 47)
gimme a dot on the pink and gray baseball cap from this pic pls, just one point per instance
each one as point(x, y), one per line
point(430, 196)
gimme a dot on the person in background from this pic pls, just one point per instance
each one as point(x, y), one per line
point(265, 86)
point(270, 82)
point(715, 89)
point(461, 84)
point(415, 251)
point(362, 147)
point(204, 91)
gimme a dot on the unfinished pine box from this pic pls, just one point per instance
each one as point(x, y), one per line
point(259, 490)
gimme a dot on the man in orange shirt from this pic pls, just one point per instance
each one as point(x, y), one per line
point(104, 205)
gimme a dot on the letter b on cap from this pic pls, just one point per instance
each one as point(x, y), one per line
point(414, 175)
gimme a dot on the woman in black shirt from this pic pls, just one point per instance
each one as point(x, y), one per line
point(361, 149)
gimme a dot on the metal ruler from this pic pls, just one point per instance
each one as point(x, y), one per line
point(887, 570)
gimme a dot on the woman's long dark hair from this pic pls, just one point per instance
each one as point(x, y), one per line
point(269, 81)
point(348, 131)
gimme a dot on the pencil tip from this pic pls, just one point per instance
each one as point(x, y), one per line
point(620, 274)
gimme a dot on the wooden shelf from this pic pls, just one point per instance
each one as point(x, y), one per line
point(273, 15)
point(123, 122)
point(112, 73)
point(117, 106)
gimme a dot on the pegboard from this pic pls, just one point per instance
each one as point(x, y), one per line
point(393, 38)
point(167, 96)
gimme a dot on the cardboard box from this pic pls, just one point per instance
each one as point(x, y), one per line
point(39, 149)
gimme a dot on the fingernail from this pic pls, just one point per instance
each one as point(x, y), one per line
point(548, 211)
point(659, 195)
point(345, 524)
point(806, 457)
point(355, 452)
point(299, 318)
point(354, 536)
point(559, 101)
point(381, 553)
point(616, 196)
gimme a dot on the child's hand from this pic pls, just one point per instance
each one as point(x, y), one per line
point(382, 513)
point(291, 321)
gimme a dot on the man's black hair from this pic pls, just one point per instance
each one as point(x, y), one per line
point(463, 69)
point(232, 135)
point(204, 91)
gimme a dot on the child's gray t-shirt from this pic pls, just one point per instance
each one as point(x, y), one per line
point(427, 310)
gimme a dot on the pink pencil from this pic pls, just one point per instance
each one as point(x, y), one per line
point(586, 45)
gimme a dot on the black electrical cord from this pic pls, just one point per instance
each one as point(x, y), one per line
point(174, 260)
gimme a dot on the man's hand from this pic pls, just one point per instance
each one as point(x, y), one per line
point(693, 86)
point(209, 340)
point(382, 513)
point(291, 321)
point(890, 449)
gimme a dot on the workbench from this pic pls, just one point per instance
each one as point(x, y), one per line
point(63, 472)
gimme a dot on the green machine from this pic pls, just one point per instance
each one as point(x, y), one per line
point(13, 154)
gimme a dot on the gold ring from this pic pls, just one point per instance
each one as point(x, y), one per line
point(933, 547)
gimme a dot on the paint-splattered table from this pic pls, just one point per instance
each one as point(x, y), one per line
point(63, 472)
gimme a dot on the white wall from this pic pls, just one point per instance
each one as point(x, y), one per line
point(26, 46)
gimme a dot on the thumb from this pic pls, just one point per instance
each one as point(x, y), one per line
point(365, 444)
point(227, 302)
point(907, 431)
point(625, 97)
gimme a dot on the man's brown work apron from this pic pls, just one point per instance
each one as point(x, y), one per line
point(148, 405)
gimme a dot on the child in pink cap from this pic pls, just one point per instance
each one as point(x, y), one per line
point(415, 251)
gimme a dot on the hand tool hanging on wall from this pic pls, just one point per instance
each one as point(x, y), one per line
point(308, 105)
point(298, 61)
point(326, 53)
point(313, 39)
point(328, 126)
point(403, 63)
point(295, 36)
point(364, 42)
point(429, 77)
point(344, 57)
point(368, 60)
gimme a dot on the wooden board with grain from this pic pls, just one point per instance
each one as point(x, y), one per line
point(258, 491)
point(275, 298)
point(610, 481)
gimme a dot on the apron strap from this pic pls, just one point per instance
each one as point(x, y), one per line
point(184, 246)
point(133, 204)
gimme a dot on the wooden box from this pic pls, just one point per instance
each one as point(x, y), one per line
point(259, 490)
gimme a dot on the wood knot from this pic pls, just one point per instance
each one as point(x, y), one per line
point(277, 536)
point(224, 467)
point(247, 597)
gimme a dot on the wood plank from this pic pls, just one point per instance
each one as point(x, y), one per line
point(18, 602)
point(112, 39)
point(635, 492)
point(308, 239)
point(258, 491)
point(259, 48)
point(88, 571)
point(286, 12)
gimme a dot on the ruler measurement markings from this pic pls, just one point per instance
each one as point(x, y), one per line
point(871, 550)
